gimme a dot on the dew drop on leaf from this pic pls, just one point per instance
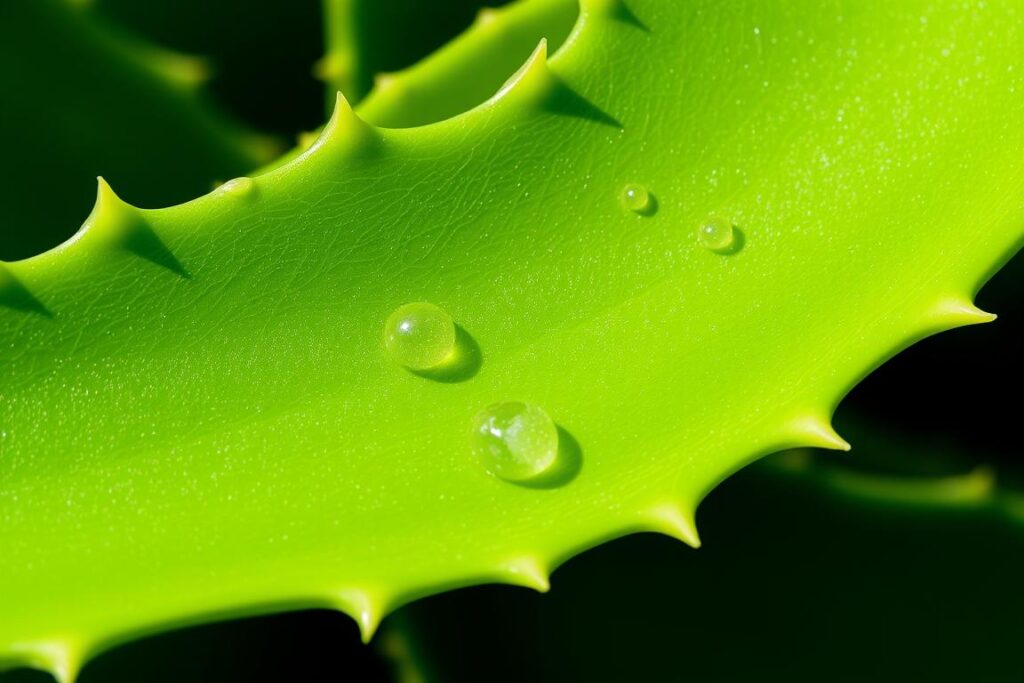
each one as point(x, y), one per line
point(515, 441)
point(419, 336)
point(716, 233)
point(637, 199)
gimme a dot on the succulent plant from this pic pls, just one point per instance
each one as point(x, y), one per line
point(462, 348)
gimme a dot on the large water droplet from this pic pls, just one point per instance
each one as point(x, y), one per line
point(515, 441)
point(419, 336)
point(716, 233)
point(637, 199)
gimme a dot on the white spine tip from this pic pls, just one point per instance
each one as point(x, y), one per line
point(672, 519)
point(533, 77)
point(958, 312)
point(110, 214)
point(365, 607)
point(527, 571)
point(345, 131)
point(816, 432)
point(62, 660)
point(342, 108)
point(104, 191)
point(540, 53)
point(368, 623)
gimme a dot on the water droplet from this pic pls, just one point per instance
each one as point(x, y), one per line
point(419, 336)
point(637, 199)
point(515, 441)
point(716, 233)
point(238, 187)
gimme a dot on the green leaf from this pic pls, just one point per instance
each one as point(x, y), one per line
point(199, 418)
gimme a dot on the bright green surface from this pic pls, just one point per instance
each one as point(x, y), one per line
point(204, 420)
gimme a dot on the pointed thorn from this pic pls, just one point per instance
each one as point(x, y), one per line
point(63, 660)
point(672, 519)
point(110, 220)
point(526, 571)
point(106, 199)
point(345, 131)
point(536, 86)
point(115, 223)
point(958, 312)
point(533, 79)
point(815, 432)
point(366, 607)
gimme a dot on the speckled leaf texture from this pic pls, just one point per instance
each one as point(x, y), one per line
point(198, 418)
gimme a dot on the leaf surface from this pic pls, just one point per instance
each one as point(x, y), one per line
point(198, 415)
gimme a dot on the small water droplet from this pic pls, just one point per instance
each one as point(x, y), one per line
point(419, 336)
point(716, 233)
point(515, 441)
point(637, 199)
point(238, 187)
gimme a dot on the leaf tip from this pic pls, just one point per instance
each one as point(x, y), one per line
point(672, 519)
point(533, 81)
point(526, 571)
point(816, 432)
point(114, 222)
point(62, 659)
point(345, 130)
point(367, 607)
point(955, 311)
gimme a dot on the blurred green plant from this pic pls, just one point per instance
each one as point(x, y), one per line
point(81, 97)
